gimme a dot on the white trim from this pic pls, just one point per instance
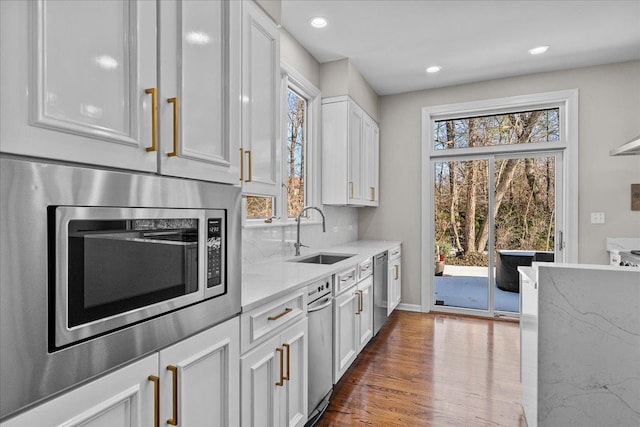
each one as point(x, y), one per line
point(291, 77)
point(409, 307)
point(567, 101)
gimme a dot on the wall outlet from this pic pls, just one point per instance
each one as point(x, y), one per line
point(597, 217)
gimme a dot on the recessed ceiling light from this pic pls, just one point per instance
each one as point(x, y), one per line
point(318, 22)
point(538, 50)
point(434, 69)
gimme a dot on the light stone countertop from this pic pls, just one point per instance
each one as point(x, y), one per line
point(269, 280)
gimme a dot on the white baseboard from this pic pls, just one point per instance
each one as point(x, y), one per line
point(409, 307)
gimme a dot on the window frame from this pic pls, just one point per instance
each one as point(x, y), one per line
point(568, 103)
point(290, 78)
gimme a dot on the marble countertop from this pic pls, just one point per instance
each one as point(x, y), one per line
point(269, 280)
point(529, 272)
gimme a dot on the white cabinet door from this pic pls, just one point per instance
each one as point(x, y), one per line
point(122, 398)
point(365, 312)
point(370, 162)
point(199, 378)
point(274, 380)
point(199, 102)
point(260, 373)
point(350, 154)
point(261, 115)
point(294, 404)
point(345, 339)
point(394, 284)
point(75, 79)
point(356, 131)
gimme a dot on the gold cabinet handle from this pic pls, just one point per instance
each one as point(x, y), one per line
point(281, 382)
point(154, 118)
point(250, 160)
point(174, 419)
point(395, 267)
point(373, 194)
point(156, 399)
point(176, 121)
point(288, 348)
point(286, 311)
point(358, 296)
point(241, 165)
point(351, 189)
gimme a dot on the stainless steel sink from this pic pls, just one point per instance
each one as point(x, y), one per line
point(322, 258)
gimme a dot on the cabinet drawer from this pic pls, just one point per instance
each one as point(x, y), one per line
point(344, 280)
point(365, 269)
point(395, 252)
point(263, 322)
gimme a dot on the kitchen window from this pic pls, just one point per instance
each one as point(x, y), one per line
point(300, 171)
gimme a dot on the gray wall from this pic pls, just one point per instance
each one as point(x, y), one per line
point(341, 77)
point(609, 115)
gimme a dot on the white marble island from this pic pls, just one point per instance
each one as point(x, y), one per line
point(580, 345)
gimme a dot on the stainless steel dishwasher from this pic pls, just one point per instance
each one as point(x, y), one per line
point(320, 315)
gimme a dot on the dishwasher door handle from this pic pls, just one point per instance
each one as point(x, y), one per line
point(326, 304)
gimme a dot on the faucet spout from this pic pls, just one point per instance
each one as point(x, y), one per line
point(324, 226)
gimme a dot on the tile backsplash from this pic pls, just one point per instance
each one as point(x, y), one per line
point(263, 243)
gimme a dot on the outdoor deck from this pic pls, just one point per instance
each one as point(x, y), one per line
point(466, 286)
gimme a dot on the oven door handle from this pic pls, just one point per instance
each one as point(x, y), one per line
point(327, 303)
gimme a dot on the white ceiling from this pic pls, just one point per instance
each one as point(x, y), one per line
point(392, 42)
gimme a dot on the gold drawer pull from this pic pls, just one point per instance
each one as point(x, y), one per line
point(250, 160)
point(176, 122)
point(285, 312)
point(288, 376)
point(154, 118)
point(281, 382)
point(156, 399)
point(174, 419)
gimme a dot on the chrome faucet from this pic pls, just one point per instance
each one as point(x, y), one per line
point(324, 227)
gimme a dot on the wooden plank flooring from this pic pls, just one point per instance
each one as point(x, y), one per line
point(433, 370)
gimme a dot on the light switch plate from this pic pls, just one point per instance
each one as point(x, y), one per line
point(597, 217)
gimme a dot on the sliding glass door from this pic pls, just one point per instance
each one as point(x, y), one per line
point(491, 216)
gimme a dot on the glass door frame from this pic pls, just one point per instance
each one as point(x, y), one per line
point(491, 160)
point(566, 173)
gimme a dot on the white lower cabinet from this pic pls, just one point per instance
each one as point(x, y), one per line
point(206, 390)
point(345, 340)
point(274, 380)
point(353, 325)
point(394, 290)
point(364, 318)
point(199, 379)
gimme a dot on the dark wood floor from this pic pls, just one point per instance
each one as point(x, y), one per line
point(433, 370)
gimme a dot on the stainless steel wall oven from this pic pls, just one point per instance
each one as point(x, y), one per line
point(98, 268)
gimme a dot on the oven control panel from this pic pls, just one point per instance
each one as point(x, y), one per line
point(214, 252)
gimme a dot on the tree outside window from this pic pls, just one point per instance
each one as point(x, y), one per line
point(295, 151)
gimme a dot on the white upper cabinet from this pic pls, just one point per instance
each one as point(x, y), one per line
point(199, 101)
point(261, 115)
point(74, 81)
point(370, 162)
point(82, 82)
point(349, 154)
